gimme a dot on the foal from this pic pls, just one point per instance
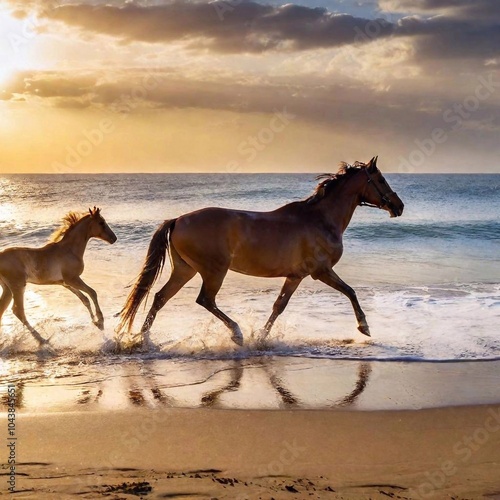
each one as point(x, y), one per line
point(60, 262)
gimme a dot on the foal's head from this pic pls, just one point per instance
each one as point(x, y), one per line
point(98, 227)
point(377, 191)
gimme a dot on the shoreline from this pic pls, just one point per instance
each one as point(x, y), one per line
point(269, 382)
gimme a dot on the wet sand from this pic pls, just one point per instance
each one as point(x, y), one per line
point(267, 382)
point(268, 428)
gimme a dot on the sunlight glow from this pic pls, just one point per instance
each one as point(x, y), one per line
point(15, 44)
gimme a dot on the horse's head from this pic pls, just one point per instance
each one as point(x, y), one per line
point(99, 228)
point(377, 191)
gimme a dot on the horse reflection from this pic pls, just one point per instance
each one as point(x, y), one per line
point(212, 398)
point(364, 372)
point(140, 385)
point(288, 399)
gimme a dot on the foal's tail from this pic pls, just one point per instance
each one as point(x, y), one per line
point(153, 266)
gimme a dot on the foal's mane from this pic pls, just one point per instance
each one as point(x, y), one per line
point(69, 221)
point(330, 181)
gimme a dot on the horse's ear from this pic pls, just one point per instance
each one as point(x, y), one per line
point(372, 164)
point(90, 211)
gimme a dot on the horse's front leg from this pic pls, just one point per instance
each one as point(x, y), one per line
point(79, 284)
point(289, 287)
point(330, 278)
point(84, 299)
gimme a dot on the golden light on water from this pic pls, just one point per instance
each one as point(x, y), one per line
point(7, 210)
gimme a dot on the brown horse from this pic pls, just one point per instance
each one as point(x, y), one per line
point(294, 241)
point(60, 262)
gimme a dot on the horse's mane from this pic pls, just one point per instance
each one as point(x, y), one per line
point(330, 181)
point(69, 221)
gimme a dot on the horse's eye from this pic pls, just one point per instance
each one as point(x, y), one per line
point(101, 223)
point(382, 181)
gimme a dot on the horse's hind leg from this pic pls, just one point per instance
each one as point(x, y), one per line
point(331, 278)
point(287, 291)
point(18, 310)
point(5, 300)
point(211, 285)
point(181, 274)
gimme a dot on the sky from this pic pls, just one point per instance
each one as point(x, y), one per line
point(242, 86)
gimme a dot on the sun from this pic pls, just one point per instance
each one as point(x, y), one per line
point(14, 45)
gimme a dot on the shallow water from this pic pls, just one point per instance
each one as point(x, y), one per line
point(429, 281)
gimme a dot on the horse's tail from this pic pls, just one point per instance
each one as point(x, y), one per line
point(153, 266)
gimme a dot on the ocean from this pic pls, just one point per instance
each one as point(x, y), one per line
point(428, 281)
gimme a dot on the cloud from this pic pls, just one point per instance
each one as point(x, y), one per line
point(484, 9)
point(449, 29)
point(451, 38)
point(220, 26)
point(446, 29)
point(347, 108)
point(48, 84)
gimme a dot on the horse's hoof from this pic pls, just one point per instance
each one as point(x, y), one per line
point(237, 340)
point(364, 330)
point(41, 341)
point(237, 336)
point(100, 325)
point(263, 333)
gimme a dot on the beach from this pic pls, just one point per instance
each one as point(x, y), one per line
point(263, 454)
point(351, 449)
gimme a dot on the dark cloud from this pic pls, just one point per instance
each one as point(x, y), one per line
point(448, 28)
point(457, 8)
point(221, 26)
point(444, 37)
point(464, 28)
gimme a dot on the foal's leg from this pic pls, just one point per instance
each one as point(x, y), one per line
point(79, 284)
point(18, 310)
point(206, 298)
point(181, 274)
point(288, 289)
point(331, 278)
point(5, 300)
point(85, 301)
